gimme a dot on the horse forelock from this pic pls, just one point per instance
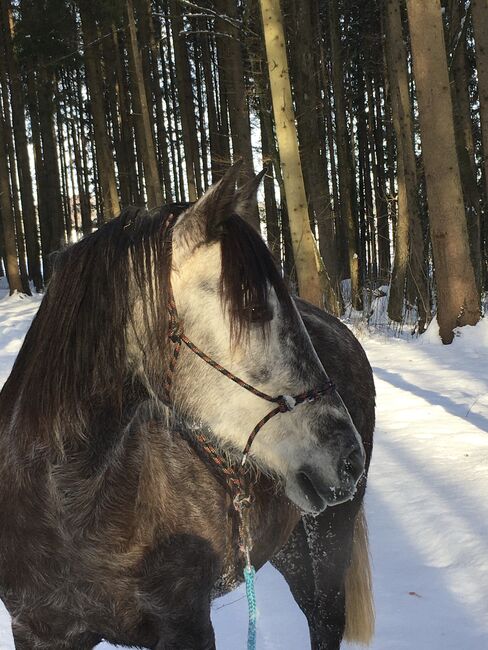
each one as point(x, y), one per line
point(248, 272)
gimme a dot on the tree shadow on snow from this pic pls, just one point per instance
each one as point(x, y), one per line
point(458, 410)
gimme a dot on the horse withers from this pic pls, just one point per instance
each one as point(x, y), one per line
point(112, 525)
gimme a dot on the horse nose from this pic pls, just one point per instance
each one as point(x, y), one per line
point(351, 466)
point(321, 491)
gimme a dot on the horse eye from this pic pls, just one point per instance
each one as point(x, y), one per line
point(260, 314)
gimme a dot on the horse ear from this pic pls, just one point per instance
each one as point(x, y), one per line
point(215, 206)
point(246, 195)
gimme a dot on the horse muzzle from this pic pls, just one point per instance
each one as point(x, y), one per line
point(313, 488)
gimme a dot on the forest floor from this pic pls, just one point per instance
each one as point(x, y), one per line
point(427, 499)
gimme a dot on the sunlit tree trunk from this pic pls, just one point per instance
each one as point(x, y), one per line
point(309, 266)
point(458, 301)
point(409, 246)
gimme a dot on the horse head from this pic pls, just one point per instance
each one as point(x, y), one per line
point(99, 347)
point(232, 303)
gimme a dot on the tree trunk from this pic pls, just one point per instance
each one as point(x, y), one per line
point(464, 134)
point(409, 241)
point(154, 91)
point(479, 10)
point(458, 301)
point(92, 57)
point(271, 209)
point(40, 174)
point(83, 179)
point(186, 104)
point(309, 266)
point(21, 150)
point(151, 175)
point(7, 216)
point(61, 154)
point(51, 186)
point(313, 164)
point(346, 186)
point(364, 150)
point(169, 83)
point(14, 186)
point(231, 60)
point(341, 243)
point(128, 166)
point(376, 129)
point(217, 154)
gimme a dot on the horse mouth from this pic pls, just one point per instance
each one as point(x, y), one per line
point(312, 496)
point(317, 503)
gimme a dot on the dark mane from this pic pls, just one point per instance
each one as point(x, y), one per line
point(74, 357)
point(72, 375)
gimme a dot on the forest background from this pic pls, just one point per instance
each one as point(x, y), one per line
point(116, 102)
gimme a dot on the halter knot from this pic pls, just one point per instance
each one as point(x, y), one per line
point(286, 403)
point(175, 333)
point(242, 500)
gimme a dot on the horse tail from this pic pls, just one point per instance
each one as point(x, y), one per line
point(358, 586)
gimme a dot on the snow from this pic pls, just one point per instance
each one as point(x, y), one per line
point(426, 503)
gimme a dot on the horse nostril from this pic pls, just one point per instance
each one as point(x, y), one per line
point(353, 464)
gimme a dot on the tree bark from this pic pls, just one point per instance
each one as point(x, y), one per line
point(346, 183)
point(231, 60)
point(7, 217)
point(186, 103)
point(83, 177)
point(51, 186)
point(479, 9)
point(309, 266)
point(458, 301)
point(463, 132)
point(409, 245)
point(217, 154)
point(172, 87)
point(40, 174)
point(307, 102)
point(154, 91)
point(92, 57)
point(271, 209)
point(148, 154)
point(21, 150)
point(14, 186)
point(376, 130)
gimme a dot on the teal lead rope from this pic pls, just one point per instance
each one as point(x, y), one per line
point(249, 573)
point(242, 502)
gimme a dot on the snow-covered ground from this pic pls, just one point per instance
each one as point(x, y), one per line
point(427, 501)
